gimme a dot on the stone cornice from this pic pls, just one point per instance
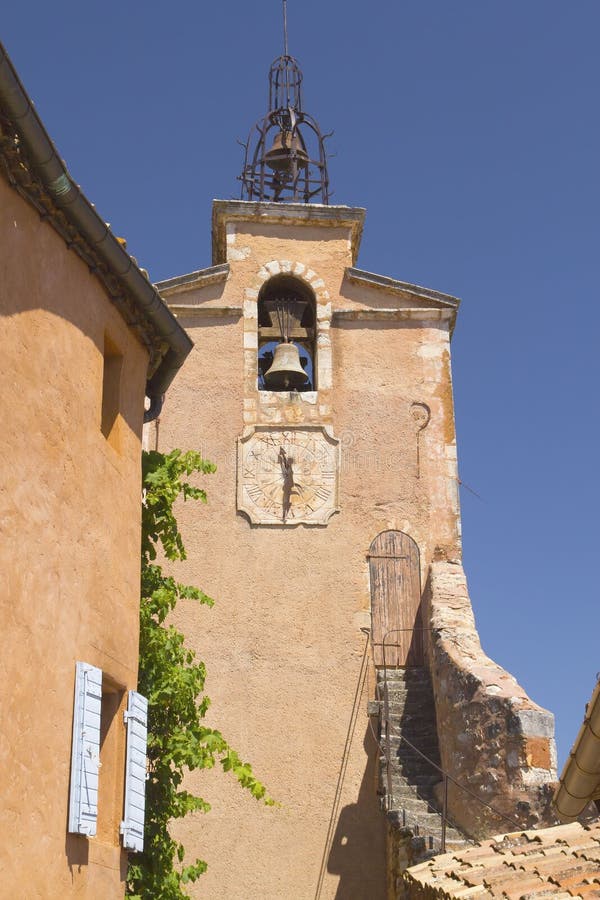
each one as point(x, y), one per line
point(193, 281)
point(393, 315)
point(435, 305)
point(315, 214)
point(202, 311)
point(392, 285)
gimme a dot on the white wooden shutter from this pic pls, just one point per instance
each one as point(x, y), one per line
point(85, 754)
point(132, 826)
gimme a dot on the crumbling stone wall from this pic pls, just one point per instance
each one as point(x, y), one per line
point(493, 739)
point(403, 850)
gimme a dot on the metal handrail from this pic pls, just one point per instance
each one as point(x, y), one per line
point(446, 777)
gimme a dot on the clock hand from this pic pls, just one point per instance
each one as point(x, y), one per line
point(286, 462)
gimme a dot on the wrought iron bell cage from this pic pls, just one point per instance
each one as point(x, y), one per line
point(285, 157)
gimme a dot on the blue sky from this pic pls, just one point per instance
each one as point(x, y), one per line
point(470, 131)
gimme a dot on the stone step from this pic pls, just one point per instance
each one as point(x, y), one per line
point(417, 676)
point(410, 711)
point(415, 806)
point(410, 773)
point(413, 682)
point(427, 822)
point(413, 767)
point(411, 725)
point(416, 753)
point(419, 708)
point(426, 756)
point(409, 759)
point(418, 711)
point(408, 703)
point(404, 737)
point(428, 827)
point(414, 795)
point(427, 733)
point(414, 672)
point(403, 740)
point(404, 695)
point(417, 737)
point(419, 782)
point(412, 734)
point(421, 793)
point(402, 690)
point(416, 791)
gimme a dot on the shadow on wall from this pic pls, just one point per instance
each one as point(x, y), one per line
point(357, 851)
point(77, 853)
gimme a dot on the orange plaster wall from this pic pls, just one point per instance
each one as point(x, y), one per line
point(283, 644)
point(69, 546)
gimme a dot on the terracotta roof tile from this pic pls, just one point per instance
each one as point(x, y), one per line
point(560, 865)
point(478, 854)
point(590, 877)
point(583, 845)
point(560, 862)
point(487, 876)
point(588, 891)
point(430, 864)
point(555, 834)
point(545, 890)
point(516, 889)
point(447, 885)
point(591, 853)
point(472, 893)
point(531, 853)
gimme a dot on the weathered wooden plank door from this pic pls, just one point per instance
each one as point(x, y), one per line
point(396, 600)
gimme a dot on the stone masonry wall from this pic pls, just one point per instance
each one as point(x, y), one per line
point(493, 738)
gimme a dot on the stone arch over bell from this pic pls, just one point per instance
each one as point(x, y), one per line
point(313, 284)
point(287, 348)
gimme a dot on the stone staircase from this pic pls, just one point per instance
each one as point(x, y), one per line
point(408, 790)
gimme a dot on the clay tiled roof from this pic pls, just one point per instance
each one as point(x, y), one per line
point(558, 862)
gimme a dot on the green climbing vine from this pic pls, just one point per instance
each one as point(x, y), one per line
point(173, 679)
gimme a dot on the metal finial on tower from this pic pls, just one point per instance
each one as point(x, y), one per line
point(285, 40)
point(285, 157)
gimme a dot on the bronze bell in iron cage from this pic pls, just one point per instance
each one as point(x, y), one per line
point(286, 372)
point(287, 147)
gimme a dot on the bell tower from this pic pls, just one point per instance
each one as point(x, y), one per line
point(342, 650)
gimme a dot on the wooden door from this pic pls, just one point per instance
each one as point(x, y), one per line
point(396, 600)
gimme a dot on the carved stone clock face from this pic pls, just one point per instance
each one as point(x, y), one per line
point(288, 475)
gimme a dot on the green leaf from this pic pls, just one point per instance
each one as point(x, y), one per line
point(173, 679)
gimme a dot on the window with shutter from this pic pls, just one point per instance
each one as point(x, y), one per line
point(136, 718)
point(85, 754)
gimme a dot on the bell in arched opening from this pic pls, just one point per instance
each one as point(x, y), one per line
point(286, 354)
point(286, 372)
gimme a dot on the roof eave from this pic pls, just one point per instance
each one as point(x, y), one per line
point(69, 198)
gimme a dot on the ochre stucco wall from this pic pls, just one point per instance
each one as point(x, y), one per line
point(283, 644)
point(69, 549)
